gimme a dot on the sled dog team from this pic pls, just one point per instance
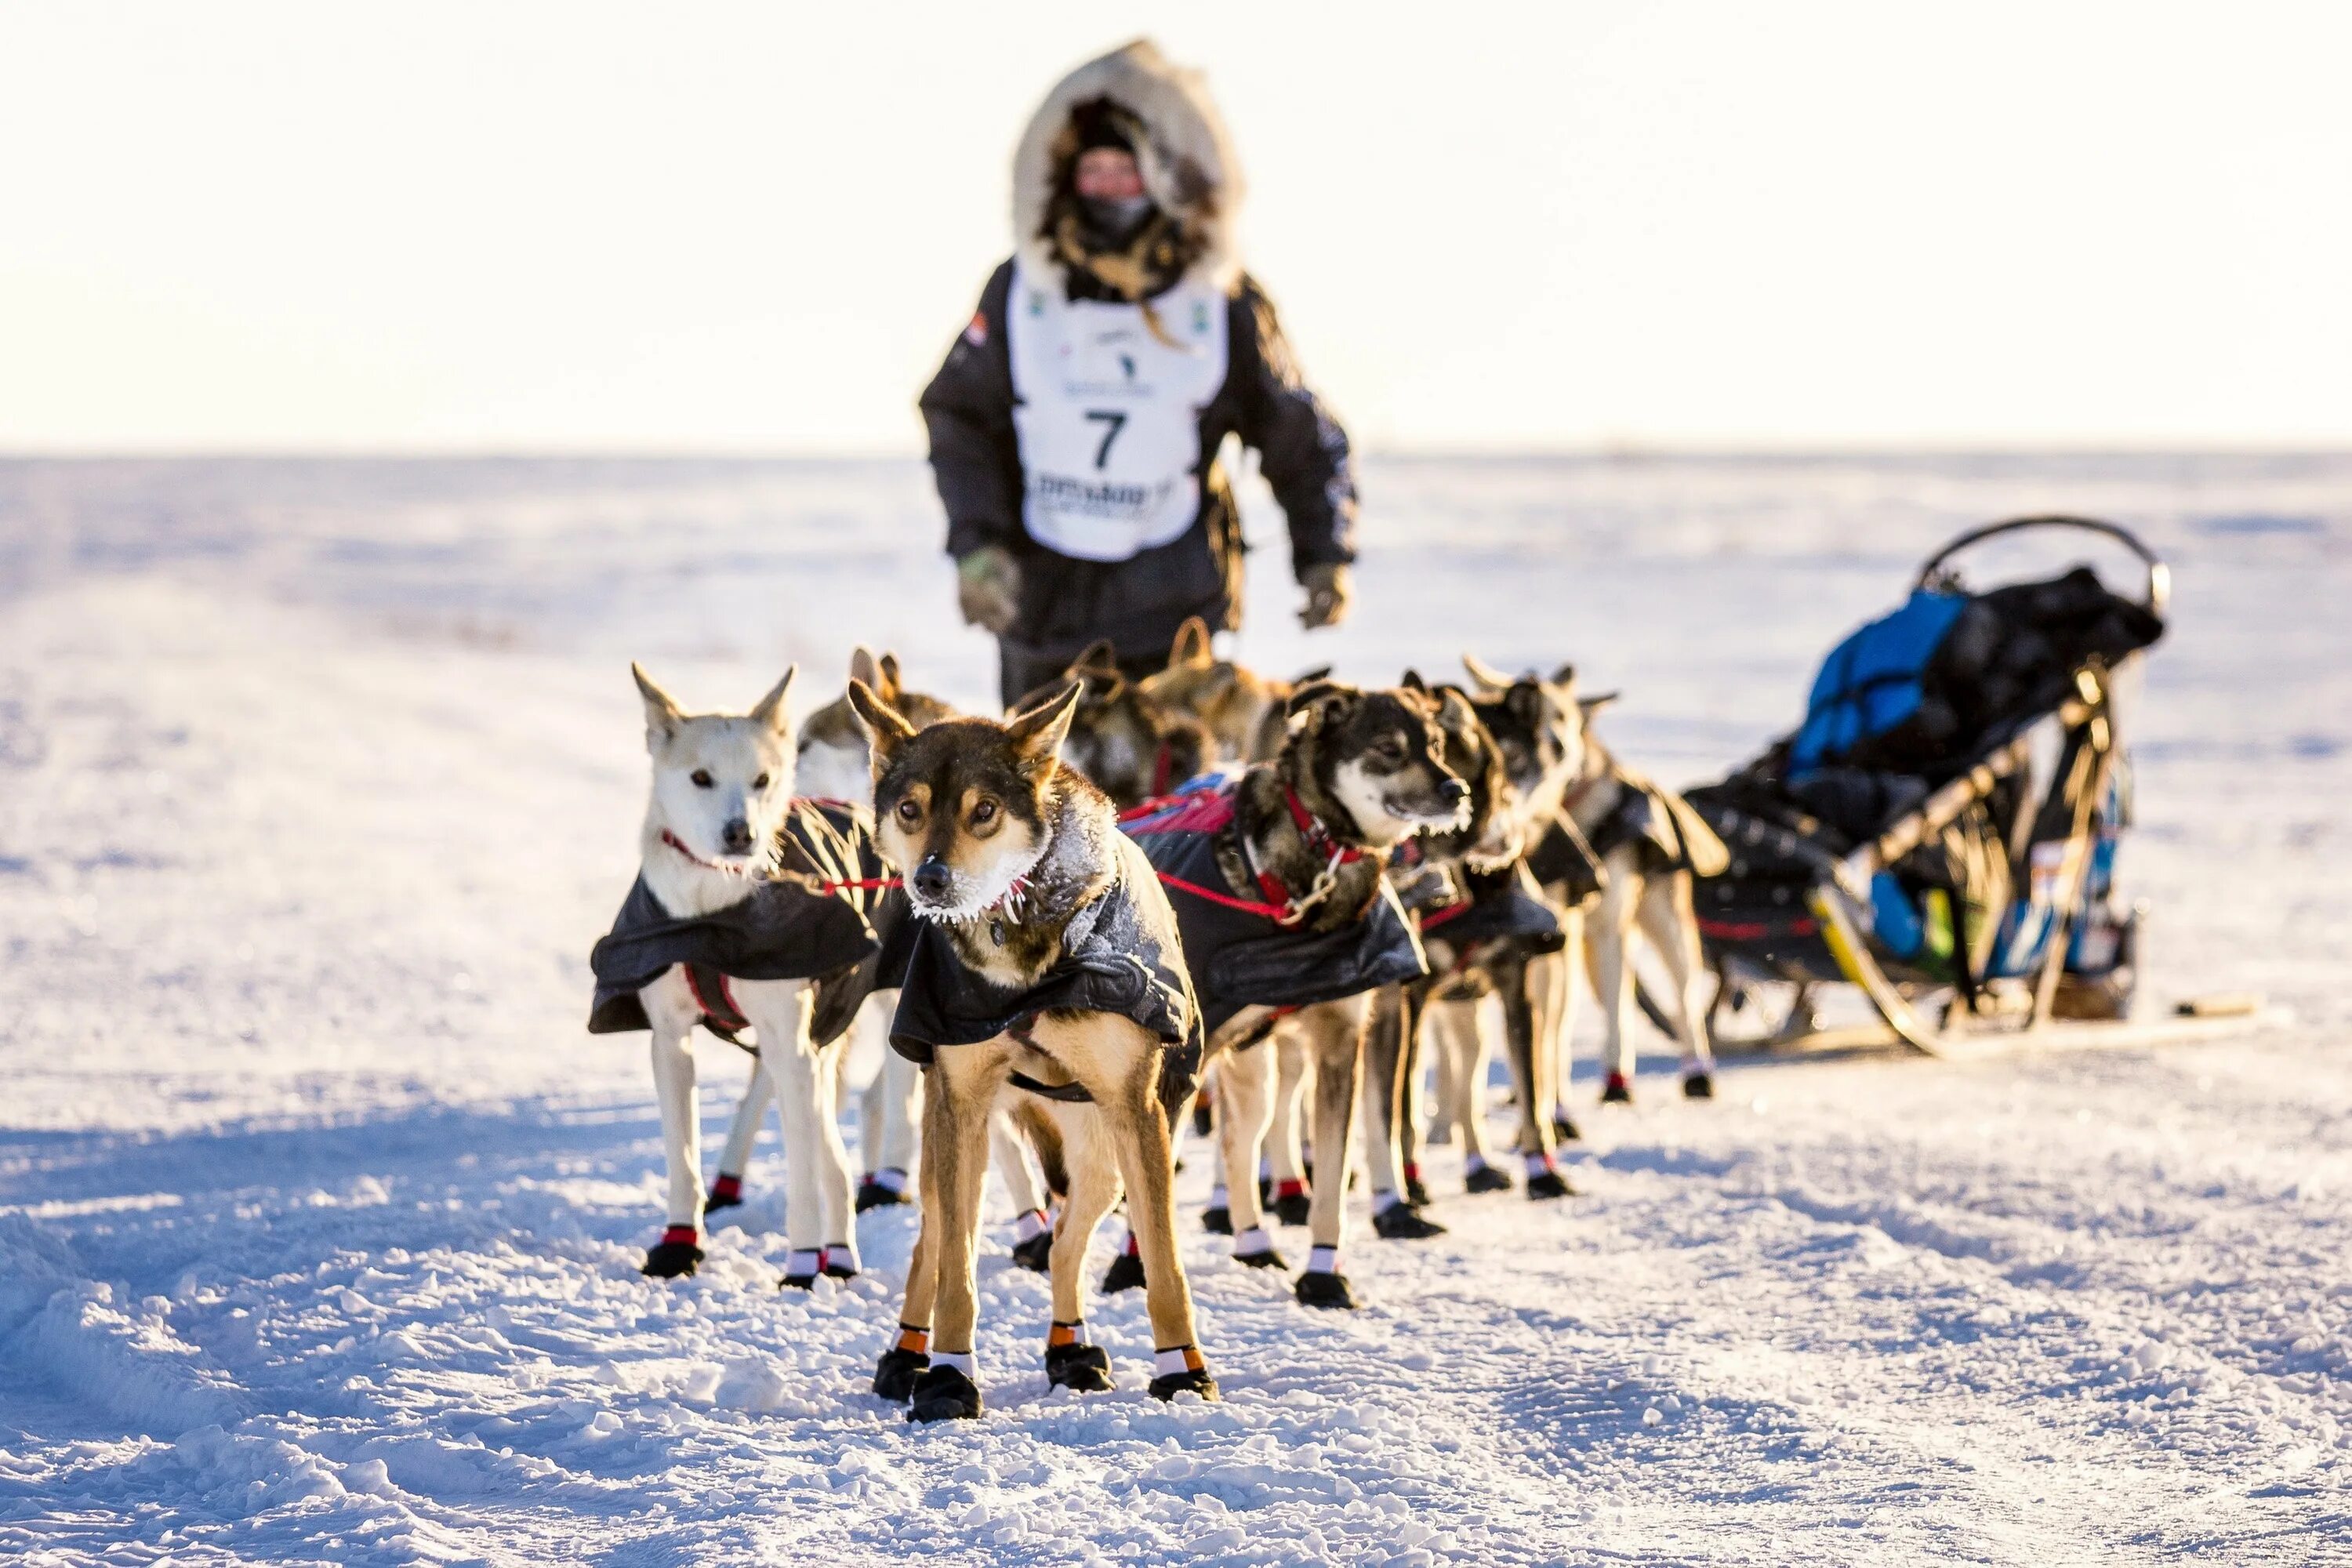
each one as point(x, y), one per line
point(1200, 896)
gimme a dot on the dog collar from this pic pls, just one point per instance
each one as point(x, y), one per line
point(1318, 837)
point(678, 843)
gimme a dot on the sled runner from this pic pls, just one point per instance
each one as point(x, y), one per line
point(1941, 831)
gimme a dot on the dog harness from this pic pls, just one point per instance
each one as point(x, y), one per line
point(1247, 952)
point(1121, 954)
point(781, 930)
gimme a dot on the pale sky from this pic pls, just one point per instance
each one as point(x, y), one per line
point(526, 227)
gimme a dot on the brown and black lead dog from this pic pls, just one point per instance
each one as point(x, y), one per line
point(1041, 958)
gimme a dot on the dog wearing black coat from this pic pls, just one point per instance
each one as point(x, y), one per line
point(1040, 958)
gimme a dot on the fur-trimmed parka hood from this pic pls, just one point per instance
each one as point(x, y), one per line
point(1186, 158)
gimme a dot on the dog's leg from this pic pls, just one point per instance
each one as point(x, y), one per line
point(1670, 921)
point(1557, 980)
point(1032, 1227)
point(1119, 1065)
point(965, 1081)
point(673, 1018)
point(838, 1221)
point(1334, 1039)
point(1245, 1111)
point(1525, 1022)
point(798, 1080)
point(889, 1117)
point(908, 1356)
point(735, 1155)
point(1445, 1095)
point(1405, 1108)
point(1394, 1022)
point(1612, 975)
point(1288, 1160)
point(1093, 1166)
point(1458, 1031)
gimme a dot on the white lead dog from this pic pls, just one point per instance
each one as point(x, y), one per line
point(721, 797)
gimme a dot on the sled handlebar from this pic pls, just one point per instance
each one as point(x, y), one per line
point(2159, 576)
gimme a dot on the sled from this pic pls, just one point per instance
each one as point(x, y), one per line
point(1940, 835)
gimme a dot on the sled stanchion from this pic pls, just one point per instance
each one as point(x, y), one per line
point(1848, 944)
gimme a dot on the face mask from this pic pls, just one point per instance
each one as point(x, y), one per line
point(1115, 220)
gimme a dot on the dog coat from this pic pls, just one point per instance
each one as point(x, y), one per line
point(1240, 958)
point(782, 931)
point(1121, 954)
point(1494, 905)
point(1668, 835)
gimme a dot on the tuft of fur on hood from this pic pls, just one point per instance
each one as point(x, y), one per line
point(1187, 161)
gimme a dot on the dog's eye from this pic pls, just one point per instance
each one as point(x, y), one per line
point(701, 777)
point(983, 813)
point(760, 782)
point(909, 813)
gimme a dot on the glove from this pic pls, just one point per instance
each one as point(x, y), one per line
point(988, 588)
point(1329, 592)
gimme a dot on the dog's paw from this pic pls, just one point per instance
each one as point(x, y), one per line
point(1487, 1179)
point(726, 1193)
point(670, 1259)
point(1086, 1369)
point(1548, 1185)
point(1192, 1380)
point(1125, 1273)
point(895, 1373)
point(1036, 1253)
point(1292, 1208)
point(1270, 1258)
point(1698, 1086)
point(943, 1393)
point(1397, 1222)
point(1217, 1220)
point(1564, 1128)
point(873, 1195)
point(1416, 1192)
point(1616, 1091)
point(1317, 1288)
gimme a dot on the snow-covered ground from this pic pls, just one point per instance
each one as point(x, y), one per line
point(319, 1213)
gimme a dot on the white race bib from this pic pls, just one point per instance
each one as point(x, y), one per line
point(1107, 416)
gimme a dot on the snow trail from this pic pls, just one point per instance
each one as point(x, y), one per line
point(320, 1213)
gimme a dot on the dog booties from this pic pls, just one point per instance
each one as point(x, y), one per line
point(1121, 954)
point(782, 931)
point(1240, 958)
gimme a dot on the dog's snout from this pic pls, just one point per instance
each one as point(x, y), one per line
point(1454, 790)
point(736, 837)
point(932, 878)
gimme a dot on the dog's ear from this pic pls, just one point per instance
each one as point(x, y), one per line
point(1191, 649)
point(1308, 676)
point(1490, 679)
point(885, 728)
point(662, 715)
point(1038, 732)
point(1592, 705)
point(862, 667)
point(891, 685)
point(1099, 658)
point(1454, 711)
point(1316, 703)
point(1413, 682)
point(1563, 680)
point(770, 710)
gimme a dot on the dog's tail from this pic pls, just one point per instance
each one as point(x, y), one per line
point(1046, 1140)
